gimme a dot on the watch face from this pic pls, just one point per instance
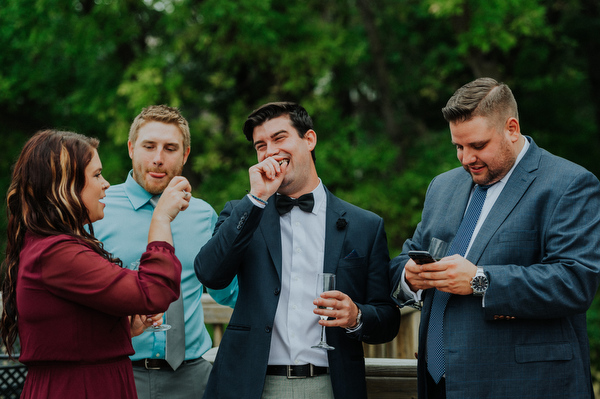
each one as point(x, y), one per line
point(479, 284)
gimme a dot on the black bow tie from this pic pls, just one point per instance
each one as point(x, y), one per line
point(285, 204)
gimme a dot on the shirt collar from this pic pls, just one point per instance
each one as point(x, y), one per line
point(136, 193)
point(519, 157)
point(320, 197)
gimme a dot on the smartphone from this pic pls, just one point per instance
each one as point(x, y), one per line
point(421, 257)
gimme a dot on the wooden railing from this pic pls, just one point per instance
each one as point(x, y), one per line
point(391, 368)
point(403, 346)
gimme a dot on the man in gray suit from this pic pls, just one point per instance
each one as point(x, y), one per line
point(513, 322)
point(276, 252)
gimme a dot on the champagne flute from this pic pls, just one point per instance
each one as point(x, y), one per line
point(438, 248)
point(162, 327)
point(325, 282)
point(135, 265)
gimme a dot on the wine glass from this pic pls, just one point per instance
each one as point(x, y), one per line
point(135, 265)
point(438, 248)
point(162, 327)
point(325, 282)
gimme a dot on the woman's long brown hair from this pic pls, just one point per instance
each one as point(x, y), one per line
point(44, 198)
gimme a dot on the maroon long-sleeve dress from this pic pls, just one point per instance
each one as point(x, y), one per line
point(72, 315)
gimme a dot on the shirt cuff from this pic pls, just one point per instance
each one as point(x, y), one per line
point(255, 202)
point(358, 327)
point(406, 289)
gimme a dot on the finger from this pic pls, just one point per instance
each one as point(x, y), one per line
point(324, 312)
point(183, 184)
point(178, 180)
point(334, 294)
point(267, 169)
point(275, 165)
point(433, 267)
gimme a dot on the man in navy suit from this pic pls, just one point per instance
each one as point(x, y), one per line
point(514, 325)
point(276, 251)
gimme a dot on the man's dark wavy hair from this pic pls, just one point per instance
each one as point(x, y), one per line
point(299, 118)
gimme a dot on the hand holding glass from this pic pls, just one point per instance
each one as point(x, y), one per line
point(162, 327)
point(135, 265)
point(325, 282)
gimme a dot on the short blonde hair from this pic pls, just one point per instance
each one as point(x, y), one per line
point(164, 114)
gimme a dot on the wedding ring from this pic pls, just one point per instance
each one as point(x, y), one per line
point(186, 193)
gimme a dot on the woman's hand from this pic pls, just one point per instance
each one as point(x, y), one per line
point(139, 323)
point(174, 199)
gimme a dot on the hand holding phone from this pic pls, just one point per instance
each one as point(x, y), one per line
point(421, 257)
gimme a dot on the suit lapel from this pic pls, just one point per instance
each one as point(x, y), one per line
point(271, 231)
point(334, 238)
point(513, 191)
point(458, 202)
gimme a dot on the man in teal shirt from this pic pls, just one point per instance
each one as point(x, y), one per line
point(159, 145)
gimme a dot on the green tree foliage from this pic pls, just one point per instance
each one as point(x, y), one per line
point(374, 75)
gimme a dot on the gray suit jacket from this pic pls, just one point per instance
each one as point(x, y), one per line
point(247, 243)
point(540, 248)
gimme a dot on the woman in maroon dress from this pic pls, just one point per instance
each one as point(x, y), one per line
point(66, 298)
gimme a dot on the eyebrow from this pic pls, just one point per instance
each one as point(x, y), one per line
point(473, 144)
point(171, 143)
point(277, 133)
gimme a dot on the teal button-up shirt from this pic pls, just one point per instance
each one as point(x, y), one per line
point(124, 232)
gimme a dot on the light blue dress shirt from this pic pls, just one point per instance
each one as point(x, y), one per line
point(124, 232)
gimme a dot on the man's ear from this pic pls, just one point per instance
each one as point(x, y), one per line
point(311, 139)
point(130, 148)
point(513, 129)
point(186, 155)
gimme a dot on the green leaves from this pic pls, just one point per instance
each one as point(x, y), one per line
point(372, 74)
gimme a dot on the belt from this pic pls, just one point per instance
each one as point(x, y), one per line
point(303, 371)
point(155, 364)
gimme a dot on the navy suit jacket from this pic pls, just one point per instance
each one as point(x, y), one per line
point(539, 247)
point(247, 243)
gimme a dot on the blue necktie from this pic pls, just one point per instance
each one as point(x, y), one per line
point(435, 332)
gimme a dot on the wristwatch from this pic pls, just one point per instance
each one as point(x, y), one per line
point(479, 282)
point(358, 320)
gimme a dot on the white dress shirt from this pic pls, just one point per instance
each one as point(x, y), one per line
point(296, 327)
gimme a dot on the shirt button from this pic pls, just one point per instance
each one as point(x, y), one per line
point(158, 355)
point(276, 292)
point(267, 329)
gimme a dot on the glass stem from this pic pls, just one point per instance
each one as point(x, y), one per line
point(322, 333)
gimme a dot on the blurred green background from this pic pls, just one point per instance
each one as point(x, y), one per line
point(373, 74)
